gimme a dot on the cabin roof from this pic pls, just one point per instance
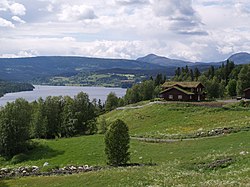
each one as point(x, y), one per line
point(182, 84)
point(177, 88)
point(246, 89)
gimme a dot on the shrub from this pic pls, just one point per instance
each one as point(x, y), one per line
point(117, 143)
point(19, 158)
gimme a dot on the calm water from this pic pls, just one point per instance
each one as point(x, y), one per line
point(44, 91)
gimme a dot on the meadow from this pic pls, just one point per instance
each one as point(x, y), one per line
point(179, 120)
point(216, 161)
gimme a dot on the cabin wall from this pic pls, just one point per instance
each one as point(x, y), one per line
point(175, 93)
point(247, 94)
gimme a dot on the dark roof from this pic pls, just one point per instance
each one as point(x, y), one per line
point(177, 88)
point(246, 89)
point(182, 84)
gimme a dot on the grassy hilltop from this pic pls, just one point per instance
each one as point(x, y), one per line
point(214, 161)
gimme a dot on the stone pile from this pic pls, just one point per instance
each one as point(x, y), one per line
point(36, 171)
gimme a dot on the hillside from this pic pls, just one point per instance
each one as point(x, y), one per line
point(24, 69)
point(163, 61)
point(214, 161)
point(238, 58)
point(8, 87)
point(43, 68)
point(178, 120)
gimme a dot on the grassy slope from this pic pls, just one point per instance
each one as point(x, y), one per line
point(160, 120)
point(177, 163)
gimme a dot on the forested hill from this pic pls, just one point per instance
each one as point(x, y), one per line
point(26, 69)
point(8, 87)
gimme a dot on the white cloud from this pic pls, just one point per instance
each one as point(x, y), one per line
point(6, 23)
point(183, 18)
point(130, 2)
point(198, 30)
point(17, 19)
point(76, 13)
point(17, 9)
point(50, 8)
point(30, 53)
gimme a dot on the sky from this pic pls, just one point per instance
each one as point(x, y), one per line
point(194, 30)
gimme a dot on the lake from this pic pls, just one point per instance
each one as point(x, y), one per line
point(44, 91)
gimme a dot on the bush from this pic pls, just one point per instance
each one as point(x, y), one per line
point(19, 158)
point(117, 143)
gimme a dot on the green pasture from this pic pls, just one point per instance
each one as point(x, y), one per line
point(170, 120)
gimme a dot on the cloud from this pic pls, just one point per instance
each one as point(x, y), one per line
point(17, 19)
point(76, 13)
point(183, 18)
point(17, 9)
point(198, 30)
point(30, 53)
point(50, 8)
point(131, 2)
point(242, 9)
point(6, 23)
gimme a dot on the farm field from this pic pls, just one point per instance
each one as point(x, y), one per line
point(216, 161)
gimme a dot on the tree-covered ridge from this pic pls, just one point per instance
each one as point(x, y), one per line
point(8, 87)
point(227, 80)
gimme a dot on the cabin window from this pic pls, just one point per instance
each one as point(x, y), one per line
point(190, 97)
point(179, 96)
point(170, 96)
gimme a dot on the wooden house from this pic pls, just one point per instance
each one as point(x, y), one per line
point(247, 93)
point(183, 91)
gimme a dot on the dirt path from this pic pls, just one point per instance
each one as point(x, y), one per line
point(157, 140)
point(216, 104)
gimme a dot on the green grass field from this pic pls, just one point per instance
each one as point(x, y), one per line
point(170, 120)
point(184, 163)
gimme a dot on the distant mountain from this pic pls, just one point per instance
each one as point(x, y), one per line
point(25, 69)
point(240, 58)
point(28, 69)
point(163, 61)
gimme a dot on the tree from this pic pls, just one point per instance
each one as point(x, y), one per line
point(84, 113)
point(103, 126)
point(243, 79)
point(14, 127)
point(147, 90)
point(117, 143)
point(68, 126)
point(53, 111)
point(112, 102)
point(159, 79)
point(196, 73)
point(231, 87)
point(213, 88)
point(39, 120)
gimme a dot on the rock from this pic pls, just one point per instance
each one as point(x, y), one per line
point(45, 164)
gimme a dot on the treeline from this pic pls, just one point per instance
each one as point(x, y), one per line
point(227, 80)
point(8, 87)
point(146, 90)
point(20, 121)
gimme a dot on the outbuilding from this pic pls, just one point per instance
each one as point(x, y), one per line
point(247, 93)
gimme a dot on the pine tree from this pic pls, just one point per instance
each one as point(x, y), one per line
point(117, 143)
